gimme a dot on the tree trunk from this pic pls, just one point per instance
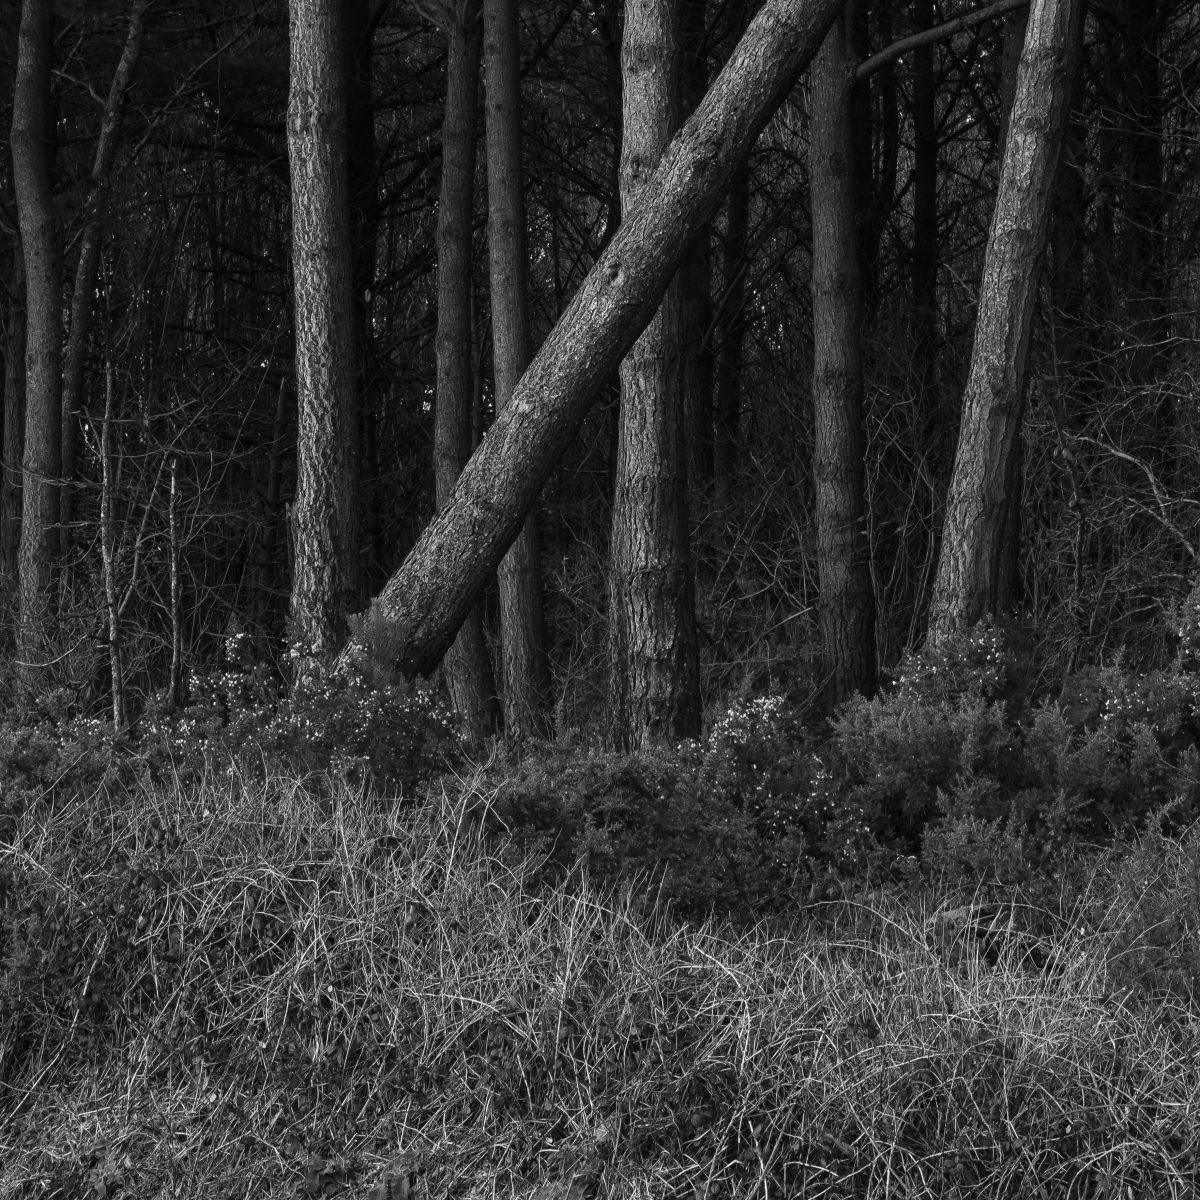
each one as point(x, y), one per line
point(32, 149)
point(731, 344)
point(14, 420)
point(415, 617)
point(982, 487)
point(325, 513)
point(467, 668)
point(847, 602)
point(654, 682)
point(525, 672)
point(695, 273)
point(84, 292)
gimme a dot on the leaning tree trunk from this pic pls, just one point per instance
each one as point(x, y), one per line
point(970, 569)
point(654, 674)
point(525, 673)
point(847, 600)
point(467, 668)
point(415, 617)
point(325, 513)
point(32, 147)
point(83, 296)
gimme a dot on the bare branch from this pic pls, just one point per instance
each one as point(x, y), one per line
point(938, 33)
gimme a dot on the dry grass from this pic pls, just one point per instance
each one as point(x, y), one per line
point(319, 997)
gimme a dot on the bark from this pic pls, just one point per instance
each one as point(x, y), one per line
point(415, 617)
point(525, 671)
point(696, 356)
point(847, 603)
point(325, 513)
point(14, 420)
point(467, 668)
point(654, 681)
point(32, 148)
point(982, 486)
point(84, 292)
point(731, 345)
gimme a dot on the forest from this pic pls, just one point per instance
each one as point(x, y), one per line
point(600, 598)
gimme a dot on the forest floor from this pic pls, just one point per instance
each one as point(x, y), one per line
point(260, 988)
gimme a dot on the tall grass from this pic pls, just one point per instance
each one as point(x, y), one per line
point(241, 988)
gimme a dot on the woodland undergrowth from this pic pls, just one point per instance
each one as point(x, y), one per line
point(948, 944)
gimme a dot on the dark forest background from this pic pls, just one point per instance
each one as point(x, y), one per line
point(179, 433)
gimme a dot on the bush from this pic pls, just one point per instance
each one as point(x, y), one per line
point(741, 822)
point(943, 718)
point(1000, 788)
point(347, 720)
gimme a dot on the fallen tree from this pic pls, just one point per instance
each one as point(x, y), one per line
point(414, 619)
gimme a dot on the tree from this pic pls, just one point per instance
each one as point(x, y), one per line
point(847, 601)
point(415, 617)
point(525, 670)
point(982, 484)
point(83, 295)
point(467, 668)
point(32, 149)
point(654, 680)
point(325, 513)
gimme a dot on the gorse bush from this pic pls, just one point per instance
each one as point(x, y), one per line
point(999, 787)
point(347, 722)
point(744, 820)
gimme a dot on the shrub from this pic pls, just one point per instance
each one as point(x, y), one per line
point(348, 719)
point(743, 821)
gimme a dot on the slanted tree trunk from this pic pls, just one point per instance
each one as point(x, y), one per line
point(415, 617)
point(467, 667)
point(654, 678)
point(32, 149)
point(525, 671)
point(325, 513)
point(14, 420)
point(982, 486)
point(84, 293)
point(847, 601)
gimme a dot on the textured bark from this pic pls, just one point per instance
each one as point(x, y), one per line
point(324, 516)
point(467, 667)
point(695, 273)
point(415, 617)
point(525, 671)
point(83, 294)
point(847, 602)
point(654, 679)
point(14, 421)
point(32, 147)
point(981, 488)
point(732, 328)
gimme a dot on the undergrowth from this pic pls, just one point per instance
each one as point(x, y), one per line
point(242, 988)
